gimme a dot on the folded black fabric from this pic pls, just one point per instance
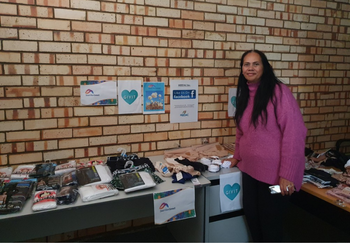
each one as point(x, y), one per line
point(118, 163)
point(326, 177)
point(198, 166)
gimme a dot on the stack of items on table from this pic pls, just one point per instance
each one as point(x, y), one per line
point(338, 179)
point(51, 184)
point(187, 163)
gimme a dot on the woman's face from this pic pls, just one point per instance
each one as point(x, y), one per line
point(252, 68)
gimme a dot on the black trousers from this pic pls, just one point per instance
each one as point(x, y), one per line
point(264, 211)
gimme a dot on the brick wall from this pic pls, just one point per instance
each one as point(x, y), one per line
point(48, 47)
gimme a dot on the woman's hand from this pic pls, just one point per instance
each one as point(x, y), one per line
point(287, 187)
point(233, 161)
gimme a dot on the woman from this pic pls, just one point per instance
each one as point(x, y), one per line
point(269, 148)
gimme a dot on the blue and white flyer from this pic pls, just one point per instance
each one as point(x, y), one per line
point(232, 93)
point(95, 92)
point(153, 97)
point(183, 101)
point(129, 96)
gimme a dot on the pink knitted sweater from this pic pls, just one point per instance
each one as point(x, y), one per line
point(276, 150)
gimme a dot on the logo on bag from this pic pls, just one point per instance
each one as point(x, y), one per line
point(90, 92)
point(163, 205)
point(231, 192)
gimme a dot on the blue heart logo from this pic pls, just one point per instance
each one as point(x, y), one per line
point(232, 191)
point(129, 97)
point(233, 101)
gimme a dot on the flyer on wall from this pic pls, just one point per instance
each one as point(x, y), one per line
point(183, 101)
point(98, 92)
point(153, 97)
point(232, 93)
point(129, 96)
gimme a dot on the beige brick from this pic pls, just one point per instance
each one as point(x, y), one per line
point(102, 59)
point(9, 9)
point(14, 45)
point(113, 150)
point(25, 158)
point(179, 134)
point(168, 144)
point(73, 143)
point(86, 48)
point(18, 22)
point(40, 102)
point(10, 103)
point(22, 136)
point(180, 24)
point(59, 155)
point(68, 36)
point(128, 40)
point(145, 31)
point(54, 47)
point(73, 122)
point(91, 5)
point(115, 130)
point(131, 119)
point(71, 58)
point(119, 71)
point(41, 145)
point(94, 141)
point(131, 61)
point(8, 33)
point(56, 3)
point(35, 35)
point(143, 128)
point(90, 70)
point(143, 71)
point(70, 14)
point(133, 138)
point(86, 26)
point(116, 28)
point(22, 114)
point(169, 52)
point(99, 38)
point(129, 19)
point(55, 69)
point(22, 91)
point(115, 7)
point(57, 133)
point(135, 148)
point(32, 11)
point(87, 132)
point(40, 124)
point(38, 58)
point(54, 24)
point(88, 111)
point(101, 17)
point(57, 112)
point(8, 148)
point(56, 91)
point(143, 51)
point(21, 69)
point(10, 80)
point(116, 50)
point(10, 126)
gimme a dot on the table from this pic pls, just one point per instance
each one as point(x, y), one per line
point(27, 224)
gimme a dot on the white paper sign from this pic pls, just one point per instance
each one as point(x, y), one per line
point(232, 93)
point(183, 101)
point(174, 205)
point(129, 96)
point(231, 191)
point(98, 92)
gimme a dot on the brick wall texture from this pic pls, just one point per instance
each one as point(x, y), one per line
point(48, 47)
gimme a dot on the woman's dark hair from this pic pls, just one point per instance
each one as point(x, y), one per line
point(264, 93)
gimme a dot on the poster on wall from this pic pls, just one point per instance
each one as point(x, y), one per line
point(95, 92)
point(183, 101)
point(232, 93)
point(129, 96)
point(153, 98)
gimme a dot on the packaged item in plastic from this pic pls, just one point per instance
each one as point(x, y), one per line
point(65, 167)
point(44, 200)
point(94, 192)
point(22, 171)
point(89, 163)
point(67, 195)
point(5, 173)
point(96, 174)
point(42, 170)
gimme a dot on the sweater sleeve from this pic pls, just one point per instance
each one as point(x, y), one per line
point(238, 137)
point(293, 131)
